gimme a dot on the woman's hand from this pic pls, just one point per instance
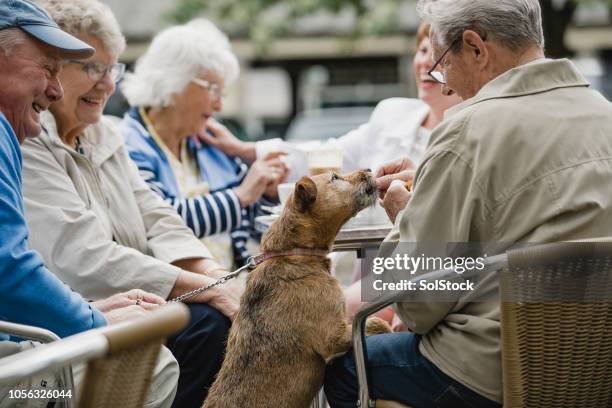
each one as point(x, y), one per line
point(225, 141)
point(225, 298)
point(261, 175)
point(130, 305)
point(125, 313)
point(133, 297)
point(275, 158)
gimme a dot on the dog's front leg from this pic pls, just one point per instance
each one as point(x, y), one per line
point(342, 341)
point(338, 343)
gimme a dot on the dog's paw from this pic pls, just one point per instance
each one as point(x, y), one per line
point(376, 325)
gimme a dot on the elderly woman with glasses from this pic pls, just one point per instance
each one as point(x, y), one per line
point(97, 224)
point(175, 90)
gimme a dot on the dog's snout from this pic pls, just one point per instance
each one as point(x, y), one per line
point(368, 170)
point(370, 189)
point(366, 176)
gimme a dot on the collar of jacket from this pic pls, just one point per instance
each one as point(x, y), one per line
point(219, 170)
point(527, 79)
point(136, 120)
point(102, 139)
point(135, 123)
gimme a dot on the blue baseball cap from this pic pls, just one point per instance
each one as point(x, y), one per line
point(37, 22)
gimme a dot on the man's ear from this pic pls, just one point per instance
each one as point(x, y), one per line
point(475, 45)
point(305, 194)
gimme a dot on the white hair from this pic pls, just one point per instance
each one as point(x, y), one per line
point(516, 24)
point(87, 17)
point(175, 57)
point(10, 38)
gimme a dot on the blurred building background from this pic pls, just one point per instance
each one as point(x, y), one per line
point(322, 73)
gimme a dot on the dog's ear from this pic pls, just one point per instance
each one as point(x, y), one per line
point(305, 194)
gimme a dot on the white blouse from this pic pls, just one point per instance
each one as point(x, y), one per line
point(393, 131)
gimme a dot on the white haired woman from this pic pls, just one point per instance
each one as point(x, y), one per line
point(97, 224)
point(176, 88)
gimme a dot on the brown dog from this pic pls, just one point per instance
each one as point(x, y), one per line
point(292, 317)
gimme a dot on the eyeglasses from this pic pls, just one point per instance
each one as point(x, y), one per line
point(96, 70)
point(214, 89)
point(439, 76)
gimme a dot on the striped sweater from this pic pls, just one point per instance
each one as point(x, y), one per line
point(208, 214)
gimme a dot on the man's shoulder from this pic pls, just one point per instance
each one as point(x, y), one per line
point(527, 120)
point(450, 134)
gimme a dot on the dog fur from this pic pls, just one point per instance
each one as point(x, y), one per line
point(292, 314)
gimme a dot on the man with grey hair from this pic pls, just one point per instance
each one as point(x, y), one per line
point(32, 51)
point(527, 157)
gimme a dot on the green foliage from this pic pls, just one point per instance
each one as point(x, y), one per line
point(263, 20)
point(185, 10)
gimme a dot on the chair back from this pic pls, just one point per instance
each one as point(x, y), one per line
point(121, 378)
point(556, 319)
point(120, 358)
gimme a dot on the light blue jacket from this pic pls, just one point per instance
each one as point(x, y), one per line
point(212, 213)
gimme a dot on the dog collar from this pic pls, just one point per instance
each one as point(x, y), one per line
point(257, 259)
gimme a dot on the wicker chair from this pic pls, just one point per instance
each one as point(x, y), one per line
point(120, 358)
point(42, 336)
point(556, 319)
point(556, 316)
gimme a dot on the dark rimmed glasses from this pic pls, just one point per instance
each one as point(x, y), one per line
point(97, 70)
point(439, 76)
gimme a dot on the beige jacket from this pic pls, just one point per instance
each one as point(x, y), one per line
point(528, 159)
point(94, 221)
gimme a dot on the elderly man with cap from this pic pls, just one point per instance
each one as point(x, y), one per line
point(526, 158)
point(32, 51)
